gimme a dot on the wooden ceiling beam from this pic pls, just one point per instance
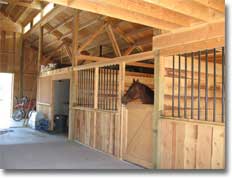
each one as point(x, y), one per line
point(113, 40)
point(119, 13)
point(33, 5)
point(151, 10)
point(188, 8)
point(200, 37)
point(127, 38)
point(91, 38)
point(218, 5)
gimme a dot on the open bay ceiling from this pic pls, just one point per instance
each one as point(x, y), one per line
point(123, 26)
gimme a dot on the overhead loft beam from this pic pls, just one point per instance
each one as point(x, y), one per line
point(199, 37)
point(113, 40)
point(118, 60)
point(218, 5)
point(151, 10)
point(103, 59)
point(188, 8)
point(57, 10)
point(32, 5)
point(8, 25)
point(111, 11)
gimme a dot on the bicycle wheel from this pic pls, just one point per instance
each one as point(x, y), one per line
point(18, 115)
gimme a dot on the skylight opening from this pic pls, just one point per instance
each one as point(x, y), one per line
point(48, 8)
point(37, 18)
point(27, 28)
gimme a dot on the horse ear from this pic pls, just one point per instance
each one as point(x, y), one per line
point(137, 80)
point(133, 80)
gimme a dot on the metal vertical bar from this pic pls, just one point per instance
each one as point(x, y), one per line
point(185, 86)
point(116, 89)
point(99, 89)
point(173, 84)
point(223, 86)
point(192, 85)
point(107, 88)
point(84, 80)
point(110, 88)
point(179, 69)
point(206, 85)
point(93, 71)
point(199, 85)
point(214, 84)
point(104, 86)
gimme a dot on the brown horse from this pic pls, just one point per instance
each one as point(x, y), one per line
point(139, 91)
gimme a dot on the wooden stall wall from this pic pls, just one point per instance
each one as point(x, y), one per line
point(10, 52)
point(103, 135)
point(191, 145)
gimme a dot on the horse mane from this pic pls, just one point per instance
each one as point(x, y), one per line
point(148, 89)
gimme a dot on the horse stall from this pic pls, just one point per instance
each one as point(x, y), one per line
point(138, 116)
point(47, 100)
point(192, 130)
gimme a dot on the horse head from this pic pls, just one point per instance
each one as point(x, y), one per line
point(132, 92)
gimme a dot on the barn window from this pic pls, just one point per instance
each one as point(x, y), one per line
point(48, 8)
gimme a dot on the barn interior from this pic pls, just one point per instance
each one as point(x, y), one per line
point(120, 84)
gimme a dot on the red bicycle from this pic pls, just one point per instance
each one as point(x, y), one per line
point(23, 107)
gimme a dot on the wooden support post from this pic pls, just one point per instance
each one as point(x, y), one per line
point(122, 74)
point(21, 57)
point(158, 105)
point(73, 80)
point(96, 81)
point(40, 50)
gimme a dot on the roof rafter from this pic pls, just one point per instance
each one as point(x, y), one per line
point(189, 8)
point(119, 13)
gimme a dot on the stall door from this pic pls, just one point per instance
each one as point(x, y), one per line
point(138, 131)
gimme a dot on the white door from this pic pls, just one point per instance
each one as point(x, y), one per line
point(6, 99)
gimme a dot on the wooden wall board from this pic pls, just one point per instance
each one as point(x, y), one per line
point(195, 145)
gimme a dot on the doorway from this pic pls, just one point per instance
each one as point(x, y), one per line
point(6, 99)
point(61, 106)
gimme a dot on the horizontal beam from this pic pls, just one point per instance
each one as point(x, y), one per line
point(194, 38)
point(118, 60)
point(32, 5)
point(111, 11)
point(151, 10)
point(189, 8)
point(103, 59)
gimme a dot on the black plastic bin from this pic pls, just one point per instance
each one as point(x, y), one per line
point(61, 125)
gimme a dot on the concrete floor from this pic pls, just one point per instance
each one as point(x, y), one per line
point(25, 148)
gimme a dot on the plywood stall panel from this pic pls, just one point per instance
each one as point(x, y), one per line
point(191, 145)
